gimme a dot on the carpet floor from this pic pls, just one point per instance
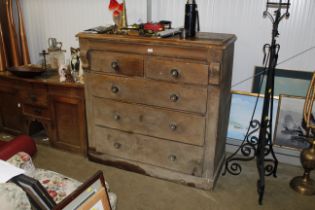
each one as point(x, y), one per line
point(139, 192)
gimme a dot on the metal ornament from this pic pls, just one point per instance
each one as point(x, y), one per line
point(261, 148)
point(123, 18)
point(304, 184)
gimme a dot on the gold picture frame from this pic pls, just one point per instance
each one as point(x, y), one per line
point(242, 107)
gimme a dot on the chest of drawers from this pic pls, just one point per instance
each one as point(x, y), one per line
point(159, 106)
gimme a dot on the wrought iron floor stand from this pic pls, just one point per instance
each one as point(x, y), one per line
point(261, 147)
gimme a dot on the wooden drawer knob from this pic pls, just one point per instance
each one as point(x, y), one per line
point(38, 111)
point(173, 126)
point(117, 117)
point(115, 65)
point(33, 97)
point(172, 157)
point(115, 89)
point(174, 73)
point(117, 145)
point(174, 98)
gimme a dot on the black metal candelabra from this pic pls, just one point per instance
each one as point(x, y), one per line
point(261, 147)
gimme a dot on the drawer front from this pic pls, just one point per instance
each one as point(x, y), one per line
point(175, 96)
point(175, 71)
point(117, 63)
point(177, 126)
point(167, 154)
point(35, 111)
point(36, 95)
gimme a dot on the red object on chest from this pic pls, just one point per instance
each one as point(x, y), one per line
point(153, 27)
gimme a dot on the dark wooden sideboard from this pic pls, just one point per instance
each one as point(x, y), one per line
point(159, 106)
point(58, 107)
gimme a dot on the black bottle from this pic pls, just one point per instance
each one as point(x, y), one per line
point(191, 18)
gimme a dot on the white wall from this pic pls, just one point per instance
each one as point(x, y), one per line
point(64, 18)
point(244, 18)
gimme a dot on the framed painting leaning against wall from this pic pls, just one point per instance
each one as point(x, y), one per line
point(288, 82)
point(289, 124)
point(242, 107)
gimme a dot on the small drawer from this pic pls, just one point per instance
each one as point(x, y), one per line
point(35, 111)
point(117, 63)
point(138, 90)
point(36, 95)
point(161, 123)
point(166, 154)
point(176, 71)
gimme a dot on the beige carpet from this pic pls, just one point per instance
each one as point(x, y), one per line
point(139, 192)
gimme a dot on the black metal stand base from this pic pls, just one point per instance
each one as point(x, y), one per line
point(260, 146)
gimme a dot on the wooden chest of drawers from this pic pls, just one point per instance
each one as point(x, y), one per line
point(159, 106)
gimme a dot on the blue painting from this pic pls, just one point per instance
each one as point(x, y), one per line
point(242, 107)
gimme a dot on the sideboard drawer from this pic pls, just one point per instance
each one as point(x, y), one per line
point(36, 111)
point(117, 63)
point(167, 154)
point(176, 126)
point(138, 90)
point(34, 95)
point(175, 71)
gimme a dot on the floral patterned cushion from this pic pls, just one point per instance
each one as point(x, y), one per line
point(13, 197)
point(24, 161)
point(58, 186)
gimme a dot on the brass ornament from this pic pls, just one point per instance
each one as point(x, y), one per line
point(304, 184)
point(123, 18)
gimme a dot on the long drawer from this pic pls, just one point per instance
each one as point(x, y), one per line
point(167, 154)
point(138, 90)
point(177, 126)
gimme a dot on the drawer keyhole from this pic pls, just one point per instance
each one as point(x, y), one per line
point(174, 98)
point(117, 145)
point(174, 73)
point(115, 65)
point(115, 89)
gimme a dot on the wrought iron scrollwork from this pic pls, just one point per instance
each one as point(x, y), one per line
point(248, 150)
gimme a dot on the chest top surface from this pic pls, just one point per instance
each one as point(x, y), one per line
point(202, 39)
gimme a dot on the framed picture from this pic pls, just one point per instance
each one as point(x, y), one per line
point(287, 82)
point(87, 194)
point(99, 201)
point(289, 130)
point(242, 107)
